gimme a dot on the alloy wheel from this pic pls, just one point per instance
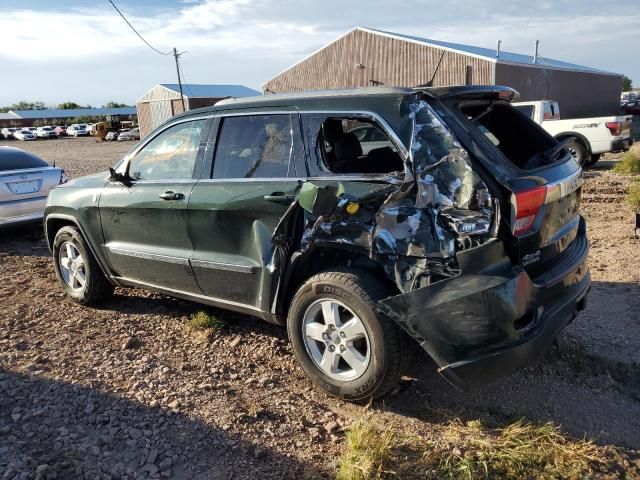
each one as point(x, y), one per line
point(336, 339)
point(72, 266)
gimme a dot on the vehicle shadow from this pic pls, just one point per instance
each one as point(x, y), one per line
point(67, 430)
point(27, 240)
point(587, 382)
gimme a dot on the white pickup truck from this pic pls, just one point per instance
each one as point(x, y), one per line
point(592, 136)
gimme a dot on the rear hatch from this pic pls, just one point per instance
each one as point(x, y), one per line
point(538, 180)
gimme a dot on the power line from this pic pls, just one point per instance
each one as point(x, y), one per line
point(184, 77)
point(136, 32)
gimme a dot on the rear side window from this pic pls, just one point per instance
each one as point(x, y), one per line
point(255, 146)
point(348, 145)
point(15, 159)
point(526, 109)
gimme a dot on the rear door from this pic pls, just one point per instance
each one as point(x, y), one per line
point(233, 213)
point(144, 220)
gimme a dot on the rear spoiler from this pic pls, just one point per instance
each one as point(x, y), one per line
point(472, 92)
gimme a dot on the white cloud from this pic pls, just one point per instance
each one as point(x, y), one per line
point(248, 41)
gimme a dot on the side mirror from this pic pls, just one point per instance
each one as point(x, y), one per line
point(118, 177)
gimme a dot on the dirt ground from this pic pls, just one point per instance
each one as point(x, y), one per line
point(126, 391)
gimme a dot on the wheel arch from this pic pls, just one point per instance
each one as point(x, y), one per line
point(304, 265)
point(581, 138)
point(55, 221)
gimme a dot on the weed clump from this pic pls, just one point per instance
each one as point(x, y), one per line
point(367, 450)
point(202, 321)
point(629, 164)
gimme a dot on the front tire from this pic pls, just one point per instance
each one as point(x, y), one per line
point(345, 347)
point(77, 270)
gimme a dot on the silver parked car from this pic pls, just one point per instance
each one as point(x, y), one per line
point(25, 182)
point(133, 134)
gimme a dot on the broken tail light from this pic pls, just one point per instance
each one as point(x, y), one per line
point(614, 127)
point(527, 203)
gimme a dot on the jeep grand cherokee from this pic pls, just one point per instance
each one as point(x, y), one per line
point(456, 227)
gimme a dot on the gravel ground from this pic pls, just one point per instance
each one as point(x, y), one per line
point(126, 391)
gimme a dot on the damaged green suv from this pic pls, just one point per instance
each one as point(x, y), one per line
point(360, 219)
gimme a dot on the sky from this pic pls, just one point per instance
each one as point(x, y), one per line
point(82, 51)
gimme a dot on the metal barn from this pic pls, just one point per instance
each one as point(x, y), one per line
point(365, 57)
point(163, 101)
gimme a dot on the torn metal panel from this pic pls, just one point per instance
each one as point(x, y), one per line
point(412, 228)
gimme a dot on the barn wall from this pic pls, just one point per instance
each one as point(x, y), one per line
point(194, 103)
point(390, 61)
point(144, 118)
point(580, 94)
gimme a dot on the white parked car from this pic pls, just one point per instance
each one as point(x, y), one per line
point(591, 136)
point(25, 182)
point(8, 132)
point(77, 130)
point(133, 134)
point(45, 132)
point(24, 135)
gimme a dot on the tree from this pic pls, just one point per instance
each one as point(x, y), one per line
point(626, 83)
point(115, 105)
point(69, 106)
point(22, 105)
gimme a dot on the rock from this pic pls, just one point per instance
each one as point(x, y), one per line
point(174, 405)
point(264, 381)
point(331, 427)
point(258, 452)
point(235, 342)
point(165, 464)
point(129, 343)
point(41, 470)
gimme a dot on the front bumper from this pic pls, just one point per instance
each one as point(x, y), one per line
point(495, 319)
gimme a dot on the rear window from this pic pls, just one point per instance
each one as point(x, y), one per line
point(519, 139)
point(15, 159)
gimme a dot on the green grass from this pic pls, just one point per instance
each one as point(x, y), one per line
point(518, 450)
point(202, 321)
point(367, 450)
point(633, 196)
point(629, 164)
point(466, 451)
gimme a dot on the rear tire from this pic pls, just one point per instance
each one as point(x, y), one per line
point(334, 311)
point(594, 159)
point(77, 270)
point(578, 151)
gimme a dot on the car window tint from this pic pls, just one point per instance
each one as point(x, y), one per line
point(170, 155)
point(257, 146)
point(15, 159)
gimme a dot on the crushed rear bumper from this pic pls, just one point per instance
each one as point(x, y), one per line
point(495, 319)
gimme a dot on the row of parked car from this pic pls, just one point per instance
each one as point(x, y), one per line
point(74, 130)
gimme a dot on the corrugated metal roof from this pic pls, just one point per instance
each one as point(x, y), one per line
point(490, 53)
point(211, 91)
point(74, 112)
point(8, 116)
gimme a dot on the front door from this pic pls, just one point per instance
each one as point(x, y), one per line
point(233, 214)
point(145, 217)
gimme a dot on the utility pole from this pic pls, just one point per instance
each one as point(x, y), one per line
point(176, 55)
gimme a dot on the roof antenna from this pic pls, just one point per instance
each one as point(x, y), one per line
point(535, 52)
point(498, 49)
point(430, 82)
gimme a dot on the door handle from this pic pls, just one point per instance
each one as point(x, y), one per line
point(280, 197)
point(171, 196)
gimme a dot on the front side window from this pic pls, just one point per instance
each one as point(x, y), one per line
point(348, 145)
point(255, 146)
point(170, 155)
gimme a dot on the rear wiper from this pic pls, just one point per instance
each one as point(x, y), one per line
point(547, 156)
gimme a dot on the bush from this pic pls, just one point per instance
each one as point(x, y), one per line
point(629, 165)
point(201, 321)
point(633, 196)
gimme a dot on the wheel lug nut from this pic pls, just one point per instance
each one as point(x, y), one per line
point(343, 335)
point(325, 336)
point(342, 348)
point(332, 348)
point(332, 327)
